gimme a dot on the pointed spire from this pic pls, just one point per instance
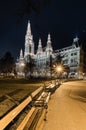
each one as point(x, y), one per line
point(40, 47)
point(21, 54)
point(29, 28)
point(49, 46)
point(40, 44)
point(29, 34)
point(49, 38)
point(49, 41)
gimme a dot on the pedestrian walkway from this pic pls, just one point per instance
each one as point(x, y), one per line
point(64, 112)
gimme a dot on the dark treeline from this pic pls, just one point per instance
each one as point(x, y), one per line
point(7, 64)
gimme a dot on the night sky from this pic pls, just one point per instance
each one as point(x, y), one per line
point(62, 19)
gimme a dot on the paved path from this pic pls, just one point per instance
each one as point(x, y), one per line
point(67, 108)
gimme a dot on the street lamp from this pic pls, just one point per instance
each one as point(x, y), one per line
point(22, 64)
point(59, 69)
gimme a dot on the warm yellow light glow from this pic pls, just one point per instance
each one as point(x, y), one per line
point(59, 68)
point(22, 64)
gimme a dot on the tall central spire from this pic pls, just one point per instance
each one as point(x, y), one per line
point(29, 30)
point(29, 44)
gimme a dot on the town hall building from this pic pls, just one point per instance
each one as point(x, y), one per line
point(72, 56)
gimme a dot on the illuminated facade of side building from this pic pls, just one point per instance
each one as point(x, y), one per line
point(73, 56)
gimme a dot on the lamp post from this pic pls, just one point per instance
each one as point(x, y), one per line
point(59, 70)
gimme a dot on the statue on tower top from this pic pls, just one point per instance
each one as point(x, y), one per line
point(76, 39)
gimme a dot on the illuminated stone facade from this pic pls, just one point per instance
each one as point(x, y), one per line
point(73, 56)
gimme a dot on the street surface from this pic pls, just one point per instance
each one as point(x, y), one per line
point(67, 108)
